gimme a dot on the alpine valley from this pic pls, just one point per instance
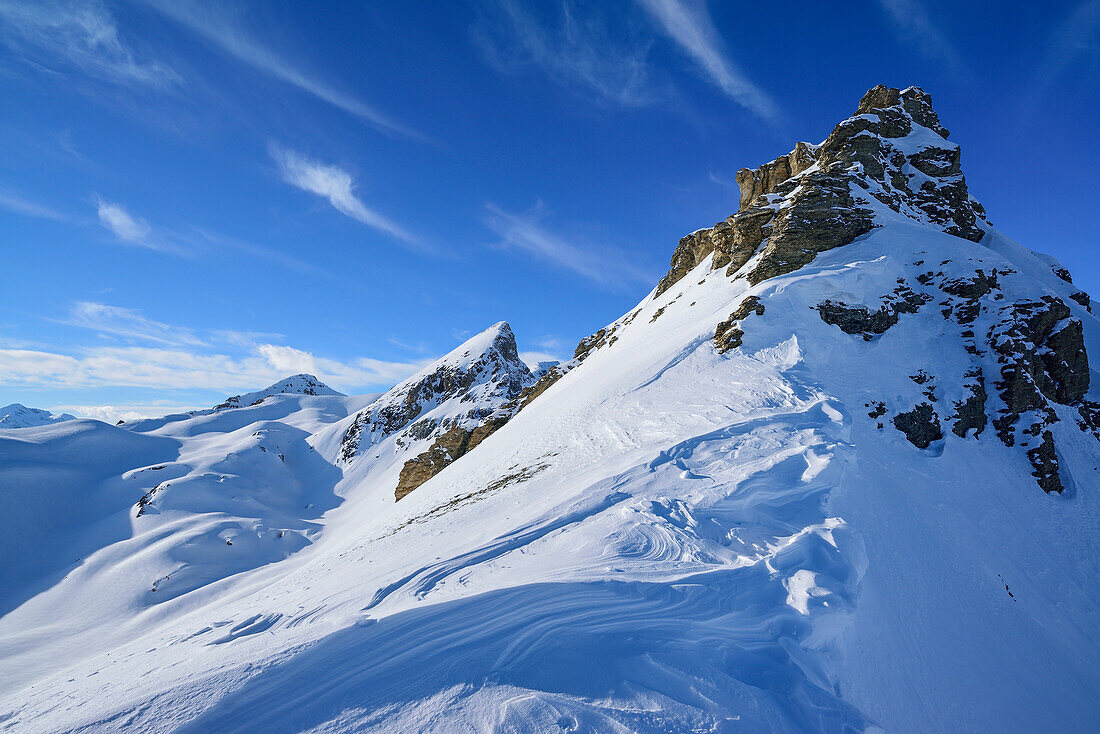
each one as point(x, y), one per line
point(838, 471)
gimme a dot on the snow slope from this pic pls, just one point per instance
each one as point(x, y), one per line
point(672, 532)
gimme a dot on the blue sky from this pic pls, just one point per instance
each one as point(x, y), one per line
point(197, 199)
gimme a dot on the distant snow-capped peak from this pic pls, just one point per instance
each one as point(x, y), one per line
point(18, 415)
point(301, 384)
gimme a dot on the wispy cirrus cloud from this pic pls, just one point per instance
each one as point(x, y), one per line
point(212, 24)
point(205, 239)
point(62, 36)
point(128, 228)
point(190, 241)
point(1076, 36)
point(526, 233)
point(128, 323)
point(688, 23)
point(336, 186)
point(20, 205)
point(570, 49)
point(915, 26)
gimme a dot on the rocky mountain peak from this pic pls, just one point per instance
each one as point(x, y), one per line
point(914, 100)
point(475, 380)
point(893, 151)
point(1014, 319)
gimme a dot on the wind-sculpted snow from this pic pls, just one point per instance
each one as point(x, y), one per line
point(62, 498)
point(811, 501)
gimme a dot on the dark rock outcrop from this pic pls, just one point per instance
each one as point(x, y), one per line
point(857, 319)
point(970, 413)
point(1043, 361)
point(727, 335)
point(920, 425)
point(1044, 459)
point(448, 448)
point(809, 200)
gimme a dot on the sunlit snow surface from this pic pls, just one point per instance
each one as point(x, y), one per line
point(668, 539)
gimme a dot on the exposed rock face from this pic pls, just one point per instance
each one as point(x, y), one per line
point(1041, 351)
point(766, 179)
point(857, 319)
point(1032, 348)
point(1044, 459)
point(970, 413)
point(448, 448)
point(920, 425)
point(731, 242)
point(485, 373)
point(728, 334)
point(893, 150)
point(867, 323)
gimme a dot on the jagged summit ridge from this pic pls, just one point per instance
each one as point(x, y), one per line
point(892, 151)
point(465, 387)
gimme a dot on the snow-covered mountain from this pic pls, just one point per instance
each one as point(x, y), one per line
point(294, 385)
point(18, 415)
point(838, 471)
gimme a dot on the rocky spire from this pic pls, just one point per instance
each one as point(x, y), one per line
point(892, 151)
point(477, 379)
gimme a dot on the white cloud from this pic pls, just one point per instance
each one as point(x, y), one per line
point(288, 359)
point(129, 323)
point(128, 228)
point(550, 342)
point(191, 242)
point(572, 51)
point(182, 369)
point(211, 23)
point(170, 357)
point(337, 186)
point(525, 232)
point(688, 24)
point(114, 413)
point(80, 35)
point(913, 25)
point(225, 242)
point(532, 359)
